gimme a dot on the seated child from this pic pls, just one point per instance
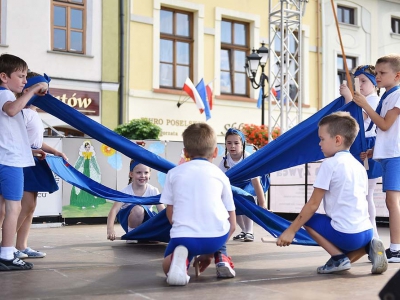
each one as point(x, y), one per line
point(345, 232)
point(199, 205)
point(131, 216)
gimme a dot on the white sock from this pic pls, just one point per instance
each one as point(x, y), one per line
point(394, 247)
point(7, 253)
point(130, 229)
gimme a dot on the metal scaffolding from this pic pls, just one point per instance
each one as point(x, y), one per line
point(285, 77)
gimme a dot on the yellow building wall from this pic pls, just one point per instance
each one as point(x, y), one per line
point(110, 62)
point(226, 112)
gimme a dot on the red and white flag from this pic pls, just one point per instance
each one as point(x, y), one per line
point(190, 89)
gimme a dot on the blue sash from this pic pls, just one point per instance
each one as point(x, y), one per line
point(379, 107)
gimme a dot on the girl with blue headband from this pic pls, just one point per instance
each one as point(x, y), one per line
point(131, 216)
point(368, 88)
point(235, 144)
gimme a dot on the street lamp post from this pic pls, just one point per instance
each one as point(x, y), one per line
point(258, 58)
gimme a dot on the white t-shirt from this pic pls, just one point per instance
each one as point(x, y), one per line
point(230, 162)
point(34, 127)
point(150, 191)
point(201, 196)
point(373, 101)
point(15, 150)
point(346, 184)
point(387, 144)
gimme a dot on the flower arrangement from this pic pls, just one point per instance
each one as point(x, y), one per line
point(258, 134)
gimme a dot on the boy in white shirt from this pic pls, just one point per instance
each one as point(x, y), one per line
point(387, 145)
point(345, 232)
point(199, 205)
point(15, 152)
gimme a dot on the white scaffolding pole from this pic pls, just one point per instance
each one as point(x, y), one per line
point(285, 35)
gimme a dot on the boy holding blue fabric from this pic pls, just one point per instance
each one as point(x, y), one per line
point(15, 152)
point(387, 144)
point(345, 231)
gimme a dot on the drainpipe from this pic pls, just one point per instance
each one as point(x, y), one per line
point(121, 62)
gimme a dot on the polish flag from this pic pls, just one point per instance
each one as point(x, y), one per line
point(190, 89)
point(209, 94)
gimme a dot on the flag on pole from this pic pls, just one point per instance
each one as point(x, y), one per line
point(190, 89)
point(201, 89)
point(209, 94)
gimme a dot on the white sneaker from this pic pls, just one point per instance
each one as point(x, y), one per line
point(177, 274)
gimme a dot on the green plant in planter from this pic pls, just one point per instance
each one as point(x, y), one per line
point(139, 129)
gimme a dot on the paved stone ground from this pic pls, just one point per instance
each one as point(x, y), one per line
point(82, 264)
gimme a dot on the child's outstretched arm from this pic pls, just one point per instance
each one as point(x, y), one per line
point(308, 210)
point(11, 108)
point(48, 149)
point(259, 192)
point(383, 123)
point(111, 219)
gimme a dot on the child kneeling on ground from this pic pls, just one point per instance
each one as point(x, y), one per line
point(199, 206)
point(345, 232)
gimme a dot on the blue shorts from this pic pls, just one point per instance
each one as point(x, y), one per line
point(390, 174)
point(11, 182)
point(197, 246)
point(123, 215)
point(346, 242)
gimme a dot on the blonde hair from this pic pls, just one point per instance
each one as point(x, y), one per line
point(199, 140)
point(343, 124)
point(392, 59)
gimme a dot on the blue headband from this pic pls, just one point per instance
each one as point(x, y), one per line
point(369, 76)
point(133, 165)
point(237, 132)
point(36, 79)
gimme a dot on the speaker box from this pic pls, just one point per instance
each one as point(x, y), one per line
point(391, 291)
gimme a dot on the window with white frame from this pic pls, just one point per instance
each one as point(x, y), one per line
point(69, 25)
point(234, 48)
point(176, 47)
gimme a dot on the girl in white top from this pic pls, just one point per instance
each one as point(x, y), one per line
point(368, 88)
point(235, 143)
point(131, 216)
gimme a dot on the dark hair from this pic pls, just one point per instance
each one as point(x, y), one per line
point(232, 131)
point(11, 63)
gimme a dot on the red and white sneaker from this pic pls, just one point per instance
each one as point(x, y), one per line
point(224, 266)
point(177, 274)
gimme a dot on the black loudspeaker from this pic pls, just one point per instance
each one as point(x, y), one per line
point(391, 291)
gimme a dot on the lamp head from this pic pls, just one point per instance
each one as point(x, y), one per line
point(253, 61)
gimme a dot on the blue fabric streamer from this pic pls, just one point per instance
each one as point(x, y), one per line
point(37, 79)
point(297, 146)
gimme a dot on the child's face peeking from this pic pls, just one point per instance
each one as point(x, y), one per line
point(140, 175)
point(366, 86)
point(234, 146)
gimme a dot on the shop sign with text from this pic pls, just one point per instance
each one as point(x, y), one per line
point(83, 101)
